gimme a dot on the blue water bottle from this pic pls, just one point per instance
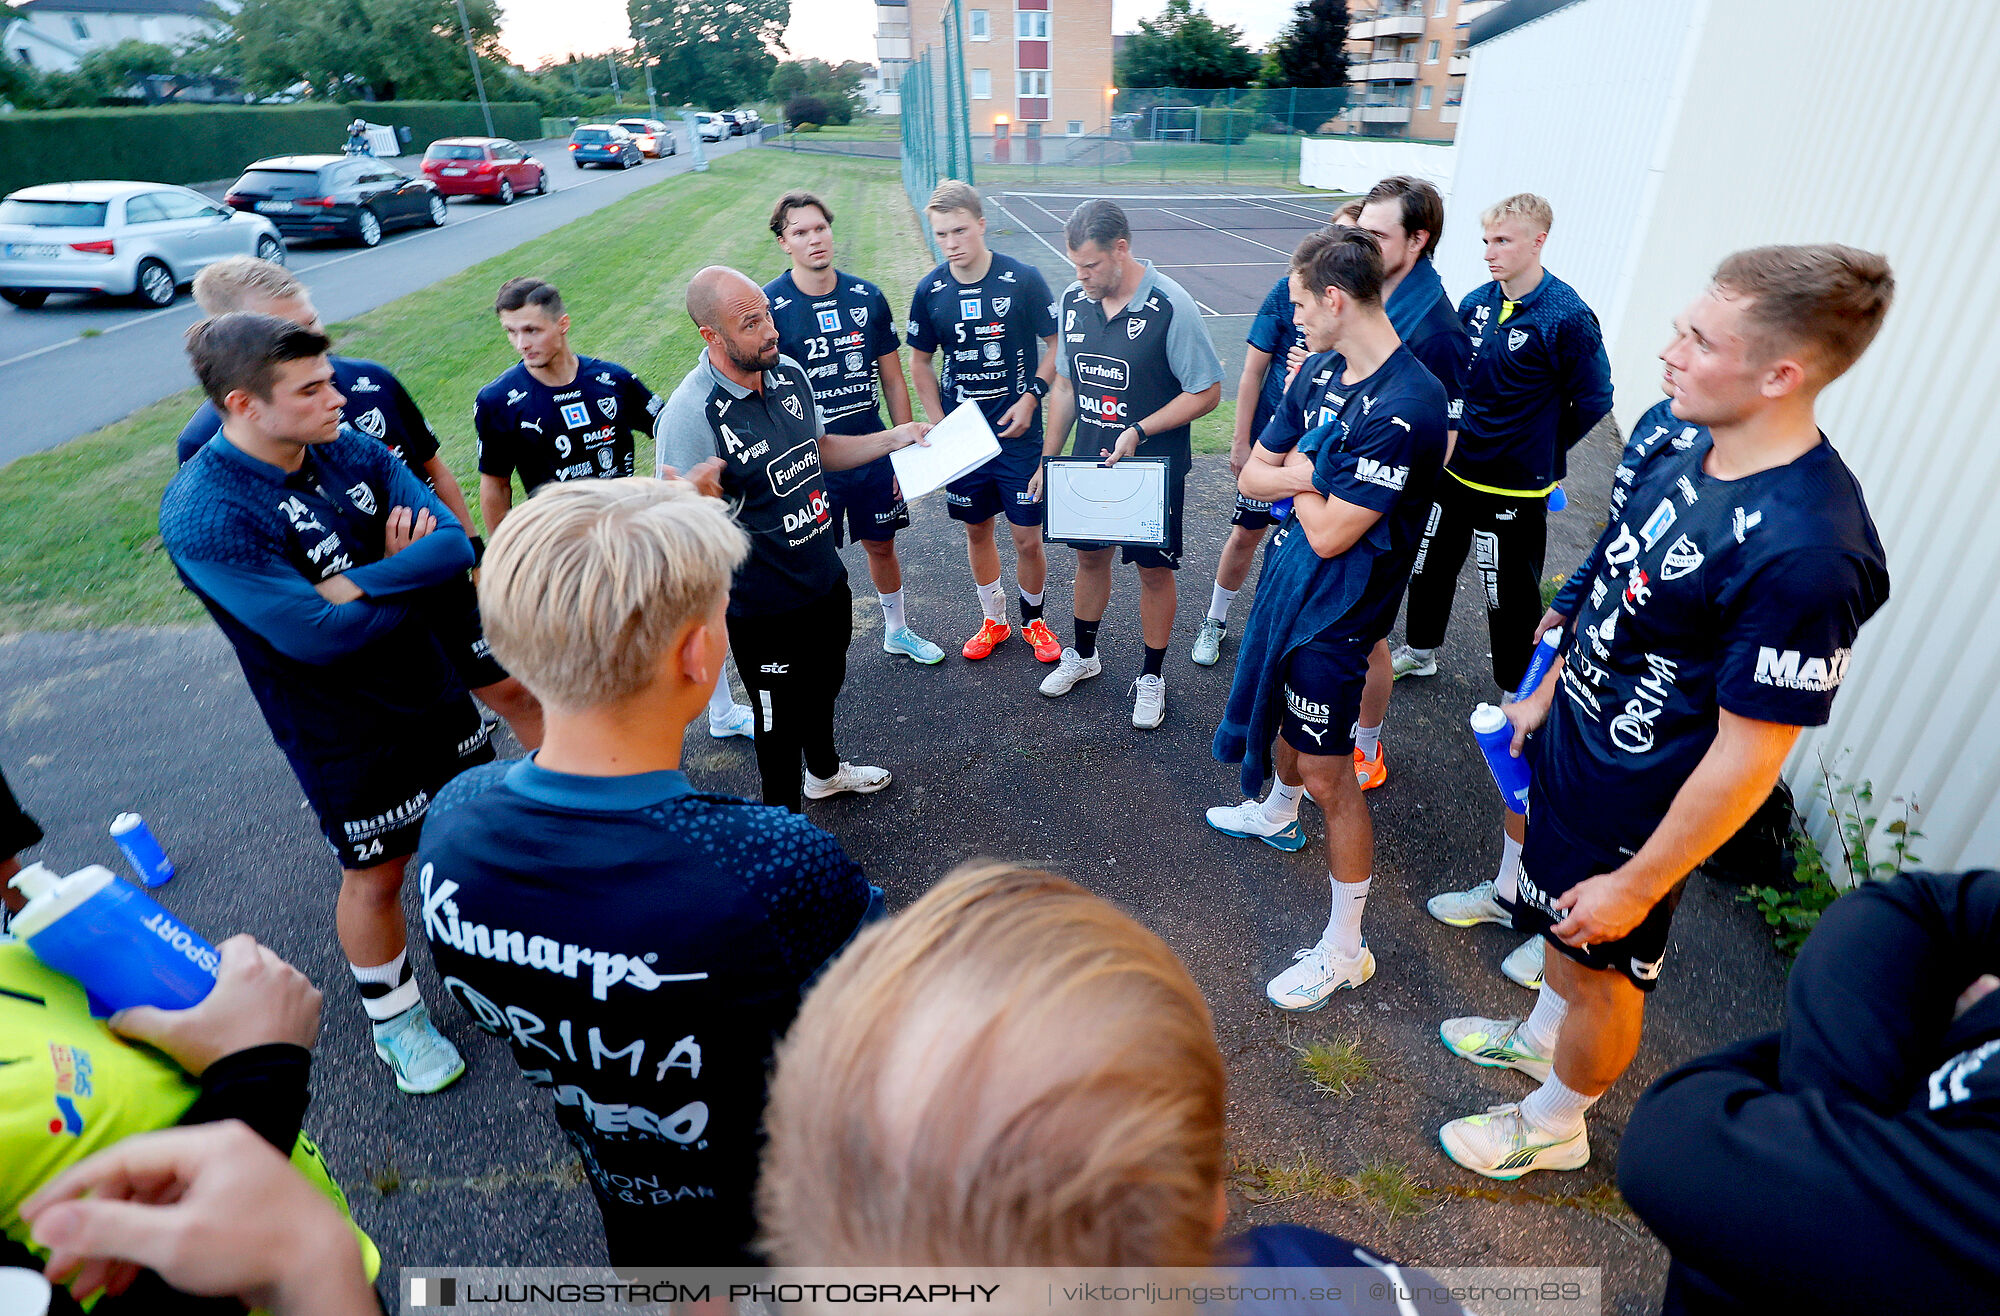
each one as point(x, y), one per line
point(113, 938)
point(1495, 735)
point(141, 849)
point(1538, 664)
point(1558, 499)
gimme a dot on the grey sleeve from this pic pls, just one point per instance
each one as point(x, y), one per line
point(681, 436)
point(1062, 339)
point(1190, 353)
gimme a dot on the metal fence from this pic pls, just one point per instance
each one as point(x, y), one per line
point(936, 125)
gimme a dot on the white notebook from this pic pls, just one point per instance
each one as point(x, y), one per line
point(961, 442)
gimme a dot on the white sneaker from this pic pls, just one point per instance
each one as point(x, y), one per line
point(1463, 909)
point(1316, 974)
point(1405, 661)
point(1523, 964)
point(740, 721)
point(1074, 667)
point(1208, 643)
point(1502, 1145)
point(1496, 1044)
point(1248, 819)
point(859, 779)
point(1149, 704)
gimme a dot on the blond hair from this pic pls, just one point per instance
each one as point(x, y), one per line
point(1824, 302)
point(585, 586)
point(1347, 216)
point(1010, 1072)
point(1524, 205)
point(955, 194)
point(234, 282)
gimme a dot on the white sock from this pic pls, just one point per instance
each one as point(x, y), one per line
point(1504, 884)
point(1032, 600)
point(1556, 1109)
point(892, 612)
point(1218, 604)
point(993, 601)
point(720, 700)
point(387, 989)
point(1343, 926)
point(1282, 804)
point(1367, 739)
point(1545, 1023)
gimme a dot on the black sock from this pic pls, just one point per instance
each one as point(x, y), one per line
point(1086, 637)
point(1030, 611)
point(1155, 660)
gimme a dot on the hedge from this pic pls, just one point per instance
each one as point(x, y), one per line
point(194, 144)
point(1228, 127)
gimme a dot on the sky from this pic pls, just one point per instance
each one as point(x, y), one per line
point(832, 30)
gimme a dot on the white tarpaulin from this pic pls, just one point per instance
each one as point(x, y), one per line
point(1355, 164)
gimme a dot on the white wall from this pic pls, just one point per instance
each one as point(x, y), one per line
point(171, 30)
point(1355, 164)
point(1671, 133)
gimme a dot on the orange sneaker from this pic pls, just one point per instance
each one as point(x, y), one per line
point(989, 638)
point(1371, 772)
point(1047, 647)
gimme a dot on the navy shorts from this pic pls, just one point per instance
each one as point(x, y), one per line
point(866, 506)
point(1553, 860)
point(1168, 557)
point(458, 629)
point(1252, 514)
point(1001, 485)
point(1322, 691)
point(371, 805)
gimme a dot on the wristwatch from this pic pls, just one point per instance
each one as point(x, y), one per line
point(1038, 386)
point(1139, 430)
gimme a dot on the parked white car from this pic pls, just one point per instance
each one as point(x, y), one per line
point(711, 127)
point(126, 239)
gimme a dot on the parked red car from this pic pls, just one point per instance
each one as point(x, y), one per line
point(484, 166)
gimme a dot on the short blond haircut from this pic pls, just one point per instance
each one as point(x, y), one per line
point(955, 194)
point(1522, 205)
point(1010, 1072)
point(234, 282)
point(585, 586)
point(1824, 302)
point(1347, 216)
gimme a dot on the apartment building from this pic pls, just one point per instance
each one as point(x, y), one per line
point(1406, 66)
point(1033, 68)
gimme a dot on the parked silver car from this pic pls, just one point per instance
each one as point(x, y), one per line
point(126, 239)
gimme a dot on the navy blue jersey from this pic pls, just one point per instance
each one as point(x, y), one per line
point(838, 338)
point(1538, 380)
point(988, 334)
point(1377, 443)
point(1702, 594)
point(336, 682)
point(377, 404)
point(1275, 333)
point(641, 946)
point(578, 432)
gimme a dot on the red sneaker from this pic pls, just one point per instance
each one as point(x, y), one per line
point(1371, 773)
point(989, 638)
point(1047, 647)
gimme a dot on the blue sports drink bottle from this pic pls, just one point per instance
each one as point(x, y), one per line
point(1558, 499)
point(141, 849)
point(1495, 735)
point(1538, 665)
point(113, 938)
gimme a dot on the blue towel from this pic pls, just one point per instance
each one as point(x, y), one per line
point(1411, 302)
point(1299, 595)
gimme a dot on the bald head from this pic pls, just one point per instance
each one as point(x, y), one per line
point(733, 315)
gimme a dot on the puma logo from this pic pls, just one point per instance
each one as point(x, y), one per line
point(1398, 420)
point(1317, 733)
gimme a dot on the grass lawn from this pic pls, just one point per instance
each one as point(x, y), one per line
point(79, 542)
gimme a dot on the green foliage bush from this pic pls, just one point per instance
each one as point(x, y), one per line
point(1227, 127)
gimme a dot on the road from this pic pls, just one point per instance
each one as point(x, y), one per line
point(132, 357)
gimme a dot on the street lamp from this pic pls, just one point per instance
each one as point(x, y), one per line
point(478, 82)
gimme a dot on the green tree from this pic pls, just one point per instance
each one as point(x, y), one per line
point(838, 90)
point(1184, 47)
point(1312, 50)
point(710, 52)
point(380, 49)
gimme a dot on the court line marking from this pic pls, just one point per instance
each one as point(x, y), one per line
point(1226, 233)
point(1025, 228)
point(1156, 196)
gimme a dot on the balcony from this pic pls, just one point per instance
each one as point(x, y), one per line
point(1461, 65)
point(1409, 24)
point(1384, 113)
point(1449, 114)
point(1383, 70)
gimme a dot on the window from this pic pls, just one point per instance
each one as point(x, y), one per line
point(179, 205)
point(1032, 82)
point(979, 26)
point(1076, 127)
point(1424, 101)
point(78, 30)
point(1432, 58)
point(144, 209)
point(1438, 12)
point(27, 56)
point(1032, 25)
point(982, 84)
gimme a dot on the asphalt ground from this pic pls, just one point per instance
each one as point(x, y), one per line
point(134, 357)
point(160, 721)
point(1225, 246)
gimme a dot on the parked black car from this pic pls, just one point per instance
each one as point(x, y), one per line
point(334, 196)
